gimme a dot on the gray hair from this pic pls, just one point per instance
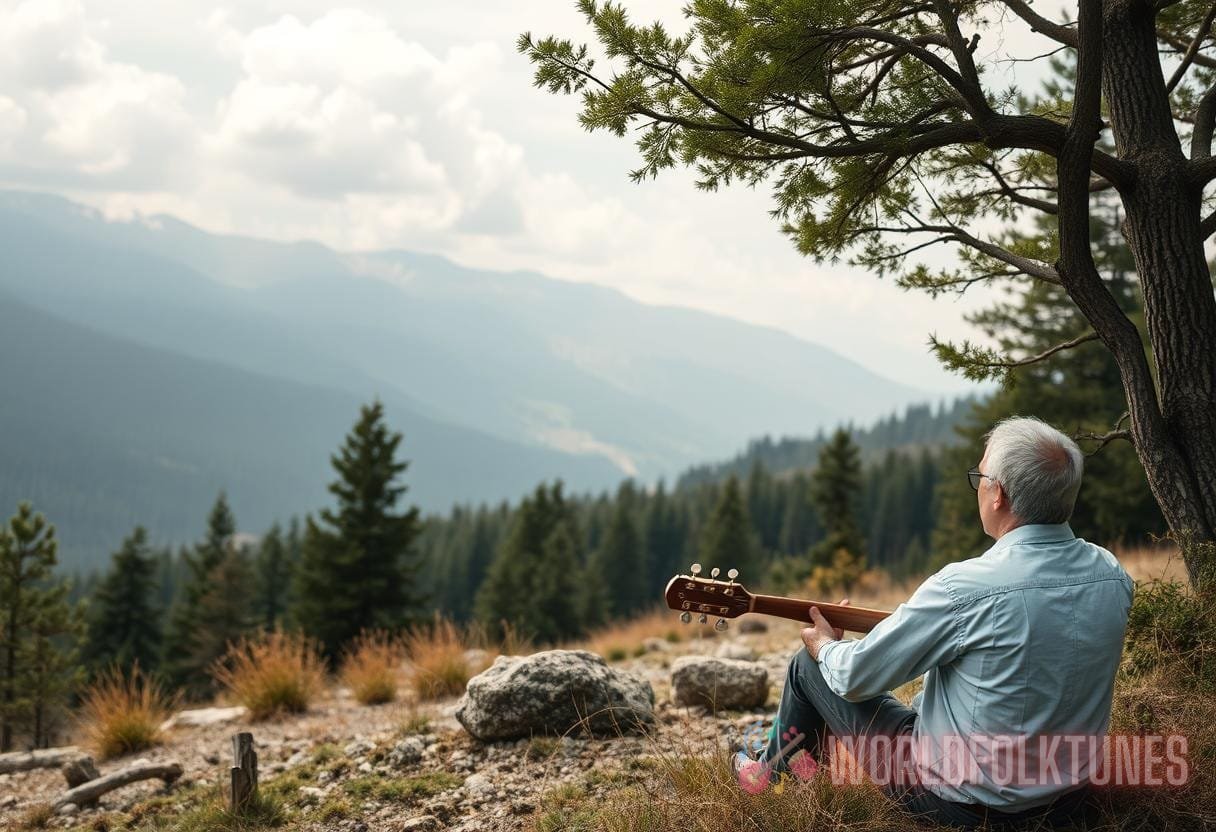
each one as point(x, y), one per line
point(1038, 467)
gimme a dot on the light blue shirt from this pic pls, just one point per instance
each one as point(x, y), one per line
point(1022, 642)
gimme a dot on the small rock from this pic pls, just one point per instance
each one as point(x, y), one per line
point(8, 800)
point(718, 683)
point(324, 777)
point(357, 748)
point(407, 752)
point(211, 758)
point(479, 784)
point(753, 625)
point(735, 650)
point(422, 823)
point(655, 645)
point(80, 771)
point(197, 717)
point(297, 759)
point(67, 809)
point(312, 792)
point(365, 767)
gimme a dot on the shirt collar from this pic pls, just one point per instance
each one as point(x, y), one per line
point(1036, 533)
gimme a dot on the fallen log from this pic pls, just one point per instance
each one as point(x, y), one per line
point(87, 793)
point(40, 758)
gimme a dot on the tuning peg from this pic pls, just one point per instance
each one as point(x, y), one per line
point(704, 619)
point(720, 624)
point(732, 574)
point(713, 573)
point(695, 569)
point(685, 616)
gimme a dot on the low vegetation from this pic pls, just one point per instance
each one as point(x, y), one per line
point(436, 652)
point(371, 666)
point(402, 789)
point(623, 639)
point(272, 673)
point(443, 656)
point(121, 712)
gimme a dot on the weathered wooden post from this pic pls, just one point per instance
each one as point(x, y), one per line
point(244, 785)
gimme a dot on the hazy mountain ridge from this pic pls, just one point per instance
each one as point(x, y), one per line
point(498, 380)
point(103, 433)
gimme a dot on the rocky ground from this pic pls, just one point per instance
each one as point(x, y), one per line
point(344, 766)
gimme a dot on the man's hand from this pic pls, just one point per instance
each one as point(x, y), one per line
point(820, 632)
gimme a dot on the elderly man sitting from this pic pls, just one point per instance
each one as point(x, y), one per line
point(1018, 648)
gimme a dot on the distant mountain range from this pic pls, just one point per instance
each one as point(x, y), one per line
point(148, 364)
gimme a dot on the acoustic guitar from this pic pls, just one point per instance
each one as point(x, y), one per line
point(703, 597)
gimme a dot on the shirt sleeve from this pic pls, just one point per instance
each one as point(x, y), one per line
point(922, 633)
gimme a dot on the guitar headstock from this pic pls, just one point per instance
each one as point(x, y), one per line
point(694, 594)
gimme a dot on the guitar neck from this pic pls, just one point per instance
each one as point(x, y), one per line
point(854, 619)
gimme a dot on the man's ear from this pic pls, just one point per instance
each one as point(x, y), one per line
point(1000, 499)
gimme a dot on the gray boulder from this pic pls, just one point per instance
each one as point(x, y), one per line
point(718, 683)
point(552, 692)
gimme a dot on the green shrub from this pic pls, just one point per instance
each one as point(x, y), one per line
point(1171, 627)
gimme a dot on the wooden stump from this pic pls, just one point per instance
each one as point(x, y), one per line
point(244, 779)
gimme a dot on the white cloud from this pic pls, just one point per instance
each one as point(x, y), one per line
point(87, 119)
point(411, 126)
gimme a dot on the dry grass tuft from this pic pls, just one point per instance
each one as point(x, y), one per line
point(1152, 563)
point(121, 712)
point(680, 774)
point(38, 816)
point(272, 673)
point(622, 639)
point(371, 666)
point(436, 654)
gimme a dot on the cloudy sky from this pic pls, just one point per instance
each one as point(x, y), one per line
point(409, 125)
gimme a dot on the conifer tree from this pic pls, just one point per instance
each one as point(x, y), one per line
point(834, 491)
point(664, 534)
point(728, 540)
point(359, 566)
point(1077, 390)
point(38, 628)
point(273, 578)
point(225, 608)
point(169, 570)
point(533, 582)
point(124, 615)
point(620, 562)
point(188, 649)
point(52, 665)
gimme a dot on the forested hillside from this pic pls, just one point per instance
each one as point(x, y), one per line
point(919, 426)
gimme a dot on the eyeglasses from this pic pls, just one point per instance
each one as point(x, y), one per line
point(974, 476)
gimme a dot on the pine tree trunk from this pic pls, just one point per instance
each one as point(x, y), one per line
point(1173, 421)
point(10, 664)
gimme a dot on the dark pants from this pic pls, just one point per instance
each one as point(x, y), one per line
point(811, 707)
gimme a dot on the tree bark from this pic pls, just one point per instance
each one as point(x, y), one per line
point(1173, 417)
